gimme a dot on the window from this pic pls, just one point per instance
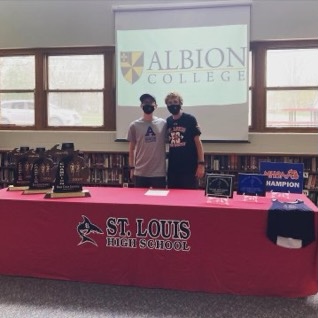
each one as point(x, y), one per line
point(292, 88)
point(285, 86)
point(68, 89)
point(17, 83)
point(73, 88)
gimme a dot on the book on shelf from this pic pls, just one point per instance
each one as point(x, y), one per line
point(314, 164)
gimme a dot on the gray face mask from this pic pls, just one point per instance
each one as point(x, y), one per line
point(148, 109)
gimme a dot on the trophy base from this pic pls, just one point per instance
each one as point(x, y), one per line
point(17, 188)
point(57, 195)
point(36, 191)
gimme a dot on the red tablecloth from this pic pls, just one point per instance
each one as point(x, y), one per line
point(178, 241)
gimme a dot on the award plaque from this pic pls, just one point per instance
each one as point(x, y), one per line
point(43, 173)
point(22, 169)
point(71, 173)
point(251, 184)
point(219, 185)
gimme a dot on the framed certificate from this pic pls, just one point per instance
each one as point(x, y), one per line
point(219, 185)
point(251, 184)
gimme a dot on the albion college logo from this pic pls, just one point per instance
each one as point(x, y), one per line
point(132, 65)
point(184, 66)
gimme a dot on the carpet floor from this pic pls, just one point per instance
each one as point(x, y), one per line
point(44, 298)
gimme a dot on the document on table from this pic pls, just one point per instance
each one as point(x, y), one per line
point(159, 193)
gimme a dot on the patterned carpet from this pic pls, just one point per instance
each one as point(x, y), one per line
point(42, 298)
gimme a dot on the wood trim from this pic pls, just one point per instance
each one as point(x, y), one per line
point(41, 92)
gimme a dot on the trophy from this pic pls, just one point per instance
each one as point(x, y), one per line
point(22, 168)
point(219, 185)
point(219, 188)
point(71, 173)
point(43, 172)
point(252, 184)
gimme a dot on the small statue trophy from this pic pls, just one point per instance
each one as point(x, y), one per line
point(43, 172)
point(71, 173)
point(22, 169)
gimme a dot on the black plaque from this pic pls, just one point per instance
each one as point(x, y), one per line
point(22, 168)
point(252, 184)
point(219, 185)
point(71, 172)
point(43, 173)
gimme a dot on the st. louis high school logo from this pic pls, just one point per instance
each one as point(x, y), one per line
point(86, 228)
point(138, 233)
point(132, 65)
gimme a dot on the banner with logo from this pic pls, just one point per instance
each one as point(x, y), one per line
point(283, 176)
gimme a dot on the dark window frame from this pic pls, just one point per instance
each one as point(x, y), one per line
point(259, 89)
point(41, 86)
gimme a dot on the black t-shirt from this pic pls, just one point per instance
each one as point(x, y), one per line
point(183, 155)
point(291, 220)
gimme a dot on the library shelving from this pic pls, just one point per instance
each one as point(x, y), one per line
point(105, 169)
point(108, 169)
point(111, 168)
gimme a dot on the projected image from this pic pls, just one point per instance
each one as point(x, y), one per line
point(182, 59)
point(199, 50)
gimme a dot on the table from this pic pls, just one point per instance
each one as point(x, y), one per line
point(180, 241)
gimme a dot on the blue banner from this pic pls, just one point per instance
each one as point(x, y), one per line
point(283, 176)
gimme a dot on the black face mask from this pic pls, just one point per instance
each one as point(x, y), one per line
point(148, 109)
point(174, 109)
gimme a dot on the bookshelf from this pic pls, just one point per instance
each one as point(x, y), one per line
point(107, 169)
point(6, 170)
point(111, 168)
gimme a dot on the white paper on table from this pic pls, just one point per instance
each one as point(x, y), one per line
point(159, 193)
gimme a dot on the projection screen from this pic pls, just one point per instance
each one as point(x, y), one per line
point(199, 50)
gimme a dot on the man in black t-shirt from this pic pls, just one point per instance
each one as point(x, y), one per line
point(186, 156)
